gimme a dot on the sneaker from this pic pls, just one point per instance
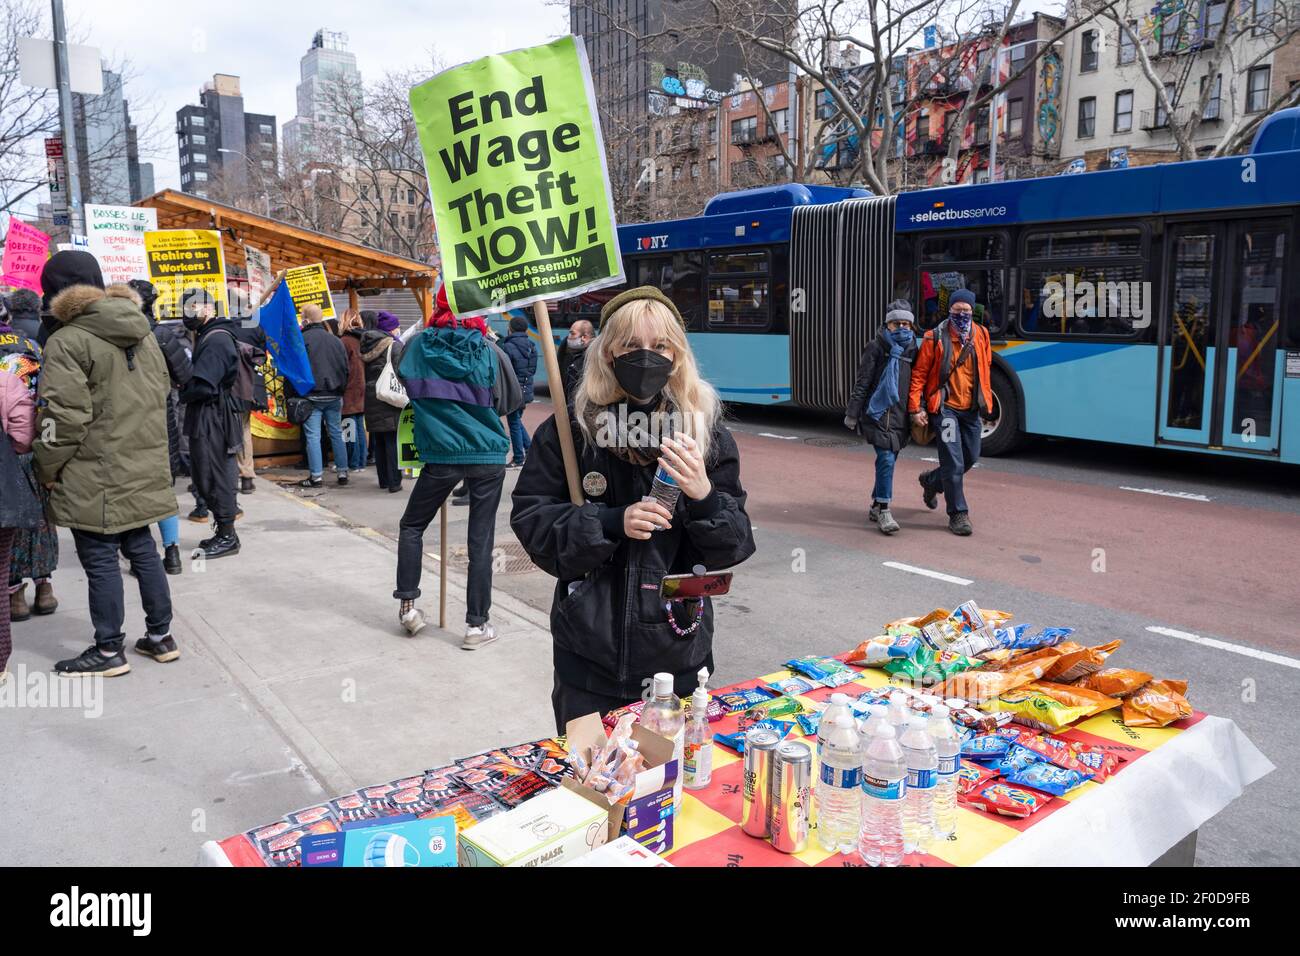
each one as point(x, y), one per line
point(172, 559)
point(959, 523)
point(931, 498)
point(46, 602)
point(343, 478)
point(412, 620)
point(94, 661)
point(18, 607)
point(515, 464)
point(874, 514)
point(886, 521)
point(477, 636)
point(200, 516)
point(161, 649)
point(246, 486)
point(221, 546)
point(311, 482)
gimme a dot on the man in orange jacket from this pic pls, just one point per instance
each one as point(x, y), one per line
point(951, 388)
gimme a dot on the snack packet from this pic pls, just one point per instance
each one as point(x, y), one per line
point(1005, 800)
point(1075, 696)
point(808, 723)
point(975, 643)
point(1099, 762)
point(734, 700)
point(929, 667)
point(938, 614)
point(986, 747)
point(1018, 758)
point(612, 718)
point(879, 651)
point(736, 741)
point(995, 619)
point(971, 776)
point(1044, 707)
point(1055, 750)
point(1047, 777)
point(1157, 703)
point(981, 684)
point(1074, 666)
point(791, 686)
point(1115, 681)
point(1022, 640)
point(774, 707)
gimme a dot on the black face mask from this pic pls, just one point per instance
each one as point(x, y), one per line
point(642, 373)
point(193, 322)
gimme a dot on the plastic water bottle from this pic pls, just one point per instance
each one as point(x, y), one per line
point(899, 713)
point(839, 786)
point(664, 490)
point(665, 715)
point(838, 707)
point(884, 786)
point(947, 746)
point(877, 717)
point(922, 767)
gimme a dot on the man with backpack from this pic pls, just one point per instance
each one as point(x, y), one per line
point(212, 414)
point(522, 353)
point(952, 391)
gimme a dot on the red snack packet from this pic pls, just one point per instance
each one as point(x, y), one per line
point(971, 776)
point(1006, 800)
point(1057, 751)
point(1101, 763)
point(612, 717)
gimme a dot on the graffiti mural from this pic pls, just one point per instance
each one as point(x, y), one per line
point(1049, 100)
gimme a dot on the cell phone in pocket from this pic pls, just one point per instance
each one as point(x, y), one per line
point(675, 587)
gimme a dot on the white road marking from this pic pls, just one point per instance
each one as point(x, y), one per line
point(1189, 496)
point(935, 460)
point(1225, 646)
point(926, 572)
point(782, 437)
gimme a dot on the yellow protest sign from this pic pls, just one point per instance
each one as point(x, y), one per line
point(181, 260)
point(307, 284)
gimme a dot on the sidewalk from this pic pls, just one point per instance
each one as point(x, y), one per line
point(295, 684)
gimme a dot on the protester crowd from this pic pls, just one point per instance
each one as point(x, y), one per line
point(106, 404)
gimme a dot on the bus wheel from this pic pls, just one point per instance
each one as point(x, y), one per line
point(1002, 434)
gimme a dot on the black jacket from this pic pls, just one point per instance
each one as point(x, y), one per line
point(892, 431)
point(612, 631)
point(215, 365)
point(375, 346)
point(523, 357)
point(329, 361)
point(174, 342)
point(571, 362)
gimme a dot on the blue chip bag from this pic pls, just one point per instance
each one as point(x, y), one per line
point(1047, 637)
point(1047, 777)
point(735, 700)
point(809, 723)
point(792, 686)
point(1017, 759)
point(807, 666)
point(1009, 637)
point(986, 747)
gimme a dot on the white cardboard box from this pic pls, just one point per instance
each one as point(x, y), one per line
point(548, 830)
point(621, 852)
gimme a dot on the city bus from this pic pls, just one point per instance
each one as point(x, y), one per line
point(1152, 306)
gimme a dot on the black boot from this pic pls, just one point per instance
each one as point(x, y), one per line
point(246, 486)
point(172, 559)
point(226, 542)
point(200, 515)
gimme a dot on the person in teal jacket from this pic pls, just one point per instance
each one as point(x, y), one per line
point(460, 386)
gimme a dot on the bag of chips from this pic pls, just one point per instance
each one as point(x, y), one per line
point(1046, 706)
point(995, 619)
point(1157, 703)
point(1005, 800)
point(879, 651)
point(986, 747)
point(1098, 761)
point(1115, 681)
point(1047, 777)
point(971, 776)
point(1074, 666)
point(1055, 750)
point(736, 741)
point(791, 686)
point(1075, 696)
point(982, 684)
point(1018, 758)
point(735, 700)
point(929, 667)
point(975, 643)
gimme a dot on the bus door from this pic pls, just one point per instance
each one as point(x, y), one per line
point(1220, 364)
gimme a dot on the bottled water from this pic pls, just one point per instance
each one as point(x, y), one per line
point(922, 767)
point(899, 713)
point(665, 715)
point(877, 717)
point(884, 786)
point(664, 490)
point(839, 785)
point(947, 746)
point(838, 707)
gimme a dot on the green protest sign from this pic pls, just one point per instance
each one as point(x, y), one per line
point(516, 168)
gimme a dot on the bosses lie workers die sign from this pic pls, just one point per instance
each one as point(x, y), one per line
point(516, 167)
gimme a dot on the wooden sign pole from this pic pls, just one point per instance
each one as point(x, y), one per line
point(570, 454)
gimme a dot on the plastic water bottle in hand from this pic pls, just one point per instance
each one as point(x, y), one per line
point(922, 771)
point(839, 786)
point(884, 786)
point(947, 746)
point(664, 489)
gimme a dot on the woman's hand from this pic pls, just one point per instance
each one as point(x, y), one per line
point(643, 518)
point(681, 458)
point(920, 417)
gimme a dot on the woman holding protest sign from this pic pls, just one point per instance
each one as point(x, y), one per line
point(641, 404)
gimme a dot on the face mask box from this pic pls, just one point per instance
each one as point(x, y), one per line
point(548, 830)
point(396, 842)
point(649, 809)
point(623, 852)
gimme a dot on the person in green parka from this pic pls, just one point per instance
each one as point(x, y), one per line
point(101, 449)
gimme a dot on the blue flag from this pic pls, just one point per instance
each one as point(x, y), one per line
point(279, 320)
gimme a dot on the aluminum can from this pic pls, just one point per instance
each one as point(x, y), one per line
point(791, 797)
point(755, 811)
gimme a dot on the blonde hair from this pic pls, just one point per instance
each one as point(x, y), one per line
point(695, 400)
point(311, 312)
point(351, 320)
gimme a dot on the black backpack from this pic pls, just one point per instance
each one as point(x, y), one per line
point(248, 375)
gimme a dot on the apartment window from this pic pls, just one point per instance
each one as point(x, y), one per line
point(1162, 118)
point(200, 176)
point(185, 159)
point(1124, 111)
point(410, 220)
point(1171, 33)
point(1263, 17)
point(677, 173)
point(744, 130)
point(196, 120)
point(1015, 118)
point(198, 139)
point(713, 168)
point(695, 170)
point(1087, 116)
point(1257, 89)
point(1212, 103)
point(778, 126)
point(410, 197)
point(267, 164)
point(659, 139)
point(1088, 58)
point(1214, 20)
point(365, 192)
point(266, 129)
point(1127, 46)
point(1019, 53)
point(185, 179)
point(200, 157)
point(392, 219)
point(392, 194)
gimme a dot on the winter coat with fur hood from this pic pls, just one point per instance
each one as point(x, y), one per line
point(102, 428)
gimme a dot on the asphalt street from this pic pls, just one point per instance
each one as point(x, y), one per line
point(1188, 559)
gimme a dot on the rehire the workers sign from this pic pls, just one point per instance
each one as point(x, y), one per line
point(182, 260)
point(517, 176)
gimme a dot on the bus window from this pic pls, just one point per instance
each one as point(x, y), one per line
point(989, 286)
point(739, 291)
point(731, 262)
point(1086, 282)
point(1256, 320)
point(987, 248)
point(903, 266)
point(687, 291)
point(656, 271)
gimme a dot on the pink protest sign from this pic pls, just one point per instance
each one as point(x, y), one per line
point(25, 254)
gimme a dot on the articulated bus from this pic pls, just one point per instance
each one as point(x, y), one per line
point(1154, 306)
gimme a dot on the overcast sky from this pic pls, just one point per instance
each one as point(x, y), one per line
point(175, 45)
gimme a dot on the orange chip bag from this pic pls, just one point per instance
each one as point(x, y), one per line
point(1073, 665)
point(1047, 655)
point(938, 614)
point(983, 683)
point(1075, 696)
point(1115, 681)
point(1157, 704)
point(995, 618)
